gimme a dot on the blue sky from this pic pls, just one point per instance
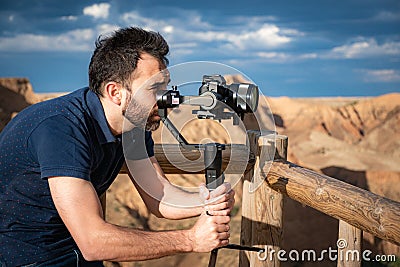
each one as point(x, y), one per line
point(294, 48)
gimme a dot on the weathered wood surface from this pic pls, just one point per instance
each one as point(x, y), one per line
point(175, 160)
point(262, 207)
point(369, 212)
point(349, 245)
point(248, 201)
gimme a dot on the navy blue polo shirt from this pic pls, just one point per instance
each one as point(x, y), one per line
point(65, 136)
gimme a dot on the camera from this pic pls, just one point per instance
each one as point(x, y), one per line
point(241, 97)
point(214, 96)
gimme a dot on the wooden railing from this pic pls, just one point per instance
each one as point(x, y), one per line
point(274, 177)
point(356, 209)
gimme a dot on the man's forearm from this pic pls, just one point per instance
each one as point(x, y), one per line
point(163, 198)
point(218, 202)
point(114, 243)
point(173, 212)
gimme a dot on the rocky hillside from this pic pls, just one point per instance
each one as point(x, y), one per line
point(371, 124)
point(15, 95)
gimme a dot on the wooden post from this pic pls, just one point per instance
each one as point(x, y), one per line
point(349, 245)
point(261, 206)
point(248, 201)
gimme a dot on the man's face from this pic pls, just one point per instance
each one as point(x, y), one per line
point(141, 104)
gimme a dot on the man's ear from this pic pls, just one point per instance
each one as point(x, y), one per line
point(113, 92)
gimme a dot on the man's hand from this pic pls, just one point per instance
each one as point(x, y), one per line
point(220, 201)
point(209, 232)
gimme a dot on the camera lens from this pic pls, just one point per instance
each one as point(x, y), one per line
point(252, 97)
point(245, 97)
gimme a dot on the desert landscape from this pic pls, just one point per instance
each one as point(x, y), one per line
point(356, 140)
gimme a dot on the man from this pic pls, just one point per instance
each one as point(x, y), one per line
point(57, 157)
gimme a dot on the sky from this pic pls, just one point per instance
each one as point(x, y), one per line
point(307, 48)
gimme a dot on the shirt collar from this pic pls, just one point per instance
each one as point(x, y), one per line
point(96, 110)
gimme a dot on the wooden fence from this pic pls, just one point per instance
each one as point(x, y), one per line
point(356, 209)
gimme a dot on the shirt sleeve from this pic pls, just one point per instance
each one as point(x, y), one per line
point(149, 144)
point(61, 148)
point(138, 144)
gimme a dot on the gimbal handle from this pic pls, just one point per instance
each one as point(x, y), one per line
point(213, 165)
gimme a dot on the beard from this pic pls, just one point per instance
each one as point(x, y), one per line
point(153, 121)
point(140, 116)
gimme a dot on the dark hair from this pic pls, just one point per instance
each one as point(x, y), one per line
point(115, 57)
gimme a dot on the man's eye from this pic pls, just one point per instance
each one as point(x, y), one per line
point(154, 87)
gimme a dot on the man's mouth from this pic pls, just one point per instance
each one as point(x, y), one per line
point(154, 115)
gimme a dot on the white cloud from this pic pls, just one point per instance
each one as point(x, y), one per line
point(280, 57)
point(134, 18)
point(267, 36)
point(308, 56)
point(274, 56)
point(292, 32)
point(186, 19)
point(383, 75)
point(365, 48)
point(76, 40)
point(97, 11)
point(69, 18)
point(197, 21)
point(168, 29)
point(387, 16)
point(105, 29)
point(192, 28)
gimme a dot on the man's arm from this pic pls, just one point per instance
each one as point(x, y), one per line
point(168, 201)
point(79, 207)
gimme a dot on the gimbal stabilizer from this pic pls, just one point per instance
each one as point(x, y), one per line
point(213, 97)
